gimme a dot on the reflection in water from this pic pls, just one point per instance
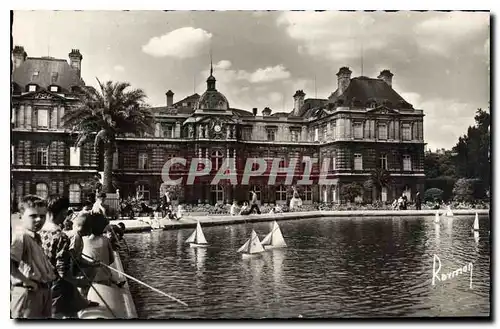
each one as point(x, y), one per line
point(331, 268)
point(437, 229)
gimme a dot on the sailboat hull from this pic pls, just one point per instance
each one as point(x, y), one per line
point(268, 247)
point(247, 256)
point(198, 245)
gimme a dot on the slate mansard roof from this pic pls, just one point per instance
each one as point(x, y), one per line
point(364, 90)
point(51, 71)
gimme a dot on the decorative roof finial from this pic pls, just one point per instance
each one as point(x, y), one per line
point(211, 66)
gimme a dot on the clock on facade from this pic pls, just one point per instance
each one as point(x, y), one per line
point(217, 128)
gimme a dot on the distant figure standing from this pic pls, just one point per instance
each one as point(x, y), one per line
point(405, 202)
point(166, 201)
point(98, 207)
point(254, 203)
point(234, 208)
point(418, 202)
point(296, 201)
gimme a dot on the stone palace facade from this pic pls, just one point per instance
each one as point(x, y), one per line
point(363, 125)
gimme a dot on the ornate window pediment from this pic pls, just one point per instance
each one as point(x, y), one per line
point(383, 110)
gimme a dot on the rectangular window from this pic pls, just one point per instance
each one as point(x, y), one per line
point(43, 119)
point(358, 130)
point(143, 161)
point(42, 155)
point(247, 133)
point(358, 161)
point(406, 132)
point(54, 89)
point(334, 129)
point(294, 135)
point(324, 134)
point(316, 134)
point(383, 161)
point(382, 131)
point(12, 154)
point(271, 134)
point(32, 88)
point(168, 131)
point(53, 77)
point(414, 131)
point(406, 162)
point(74, 156)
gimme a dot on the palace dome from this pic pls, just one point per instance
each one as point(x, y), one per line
point(212, 99)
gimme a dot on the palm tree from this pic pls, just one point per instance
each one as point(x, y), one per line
point(379, 178)
point(105, 114)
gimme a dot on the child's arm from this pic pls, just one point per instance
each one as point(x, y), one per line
point(15, 273)
point(16, 253)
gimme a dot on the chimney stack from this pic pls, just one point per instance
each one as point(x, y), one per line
point(298, 101)
point(266, 112)
point(19, 56)
point(386, 75)
point(75, 60)
point(170, 97)
point(254, 111)
point(343, 79)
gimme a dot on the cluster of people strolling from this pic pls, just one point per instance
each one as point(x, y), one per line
point(56, 255)
point(402, 202)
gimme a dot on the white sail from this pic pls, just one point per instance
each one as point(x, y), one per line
point(255, 245)
point(244, 248)
point(192, 237)
point(277, 239)
point(436, 218)
point(200, 237)
point(267, 239)
point(476, 223)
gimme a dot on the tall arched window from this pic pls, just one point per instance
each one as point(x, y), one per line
point(42, 190)
point(74, 193)
point(217, 159)
point(281, 193)
point(218, 193)
point(307, 193)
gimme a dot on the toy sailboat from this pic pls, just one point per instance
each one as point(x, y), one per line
point(448, 212)
point(155, 224)
point(436, 218)
point(274, 239)
point(197, 238)
point(476, 223)
point(252, 248)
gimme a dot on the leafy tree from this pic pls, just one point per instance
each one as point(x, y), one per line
point(463, 190)
point(379, 178)
point(350, 191)
point(433, 194)
point(105, 114)
point(473, 150)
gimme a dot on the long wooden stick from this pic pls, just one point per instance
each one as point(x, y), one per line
point(140, 282)
point(92, 286)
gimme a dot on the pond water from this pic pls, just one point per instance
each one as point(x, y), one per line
point(332, 267)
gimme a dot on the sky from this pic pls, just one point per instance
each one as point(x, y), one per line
point(440, 60)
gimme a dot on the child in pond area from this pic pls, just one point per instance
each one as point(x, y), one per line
point(81, 227)
point(31, 272)
point(98, 247)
